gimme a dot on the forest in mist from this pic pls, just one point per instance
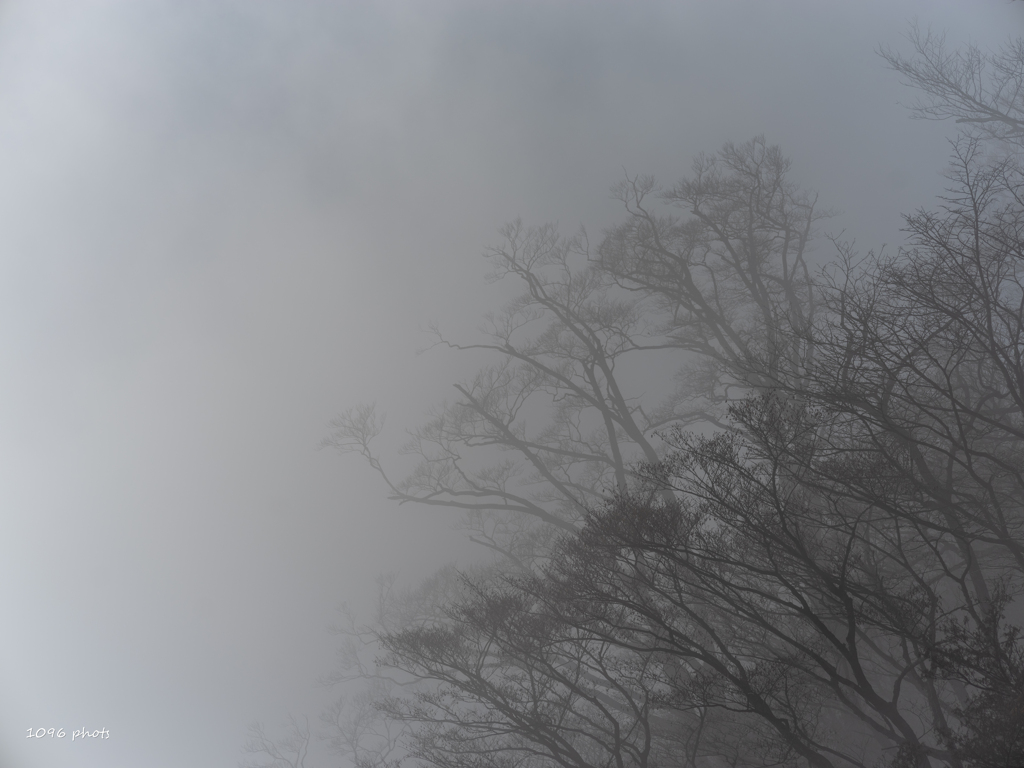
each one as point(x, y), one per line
point(750, 497)
point(511, 384)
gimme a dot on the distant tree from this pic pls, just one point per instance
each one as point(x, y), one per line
point(832, 569)
point(558, 422)
point(980, 91)
point(550, 428)
point(731, 278)
point(543, 432)
point(509, 683)
point(288, 751)
point(825, 570)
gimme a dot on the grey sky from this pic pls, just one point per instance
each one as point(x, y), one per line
point(224, 222)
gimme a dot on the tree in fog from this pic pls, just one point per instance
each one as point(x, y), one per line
point(805, 549)
point(841, 564)
point(552, 426)
point(704, 293)
point(510, 683)
point(731, 279)
point(834, 570)
point(980, 91)
point(288, 751)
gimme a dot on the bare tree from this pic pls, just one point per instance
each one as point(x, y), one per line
point(778, 601)
point(552, 427)
point(731, 278)
point(862, 523)
point(984, 92)
point(289, 751)
point(726, 293)
point(832, 570)
point(828, 579)
point(514, 685)
point(548, 429)
point(358, 729)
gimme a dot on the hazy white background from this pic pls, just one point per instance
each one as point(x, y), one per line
point(223, 222)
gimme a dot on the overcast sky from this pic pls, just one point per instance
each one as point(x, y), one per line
point(221, 223)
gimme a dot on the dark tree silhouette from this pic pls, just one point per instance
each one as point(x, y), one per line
point(824, 571)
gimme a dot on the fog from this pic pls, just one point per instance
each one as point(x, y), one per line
point(224, 222)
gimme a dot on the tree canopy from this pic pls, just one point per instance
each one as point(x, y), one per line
point(749, 512)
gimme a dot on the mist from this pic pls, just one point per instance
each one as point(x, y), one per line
point(223, 223)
